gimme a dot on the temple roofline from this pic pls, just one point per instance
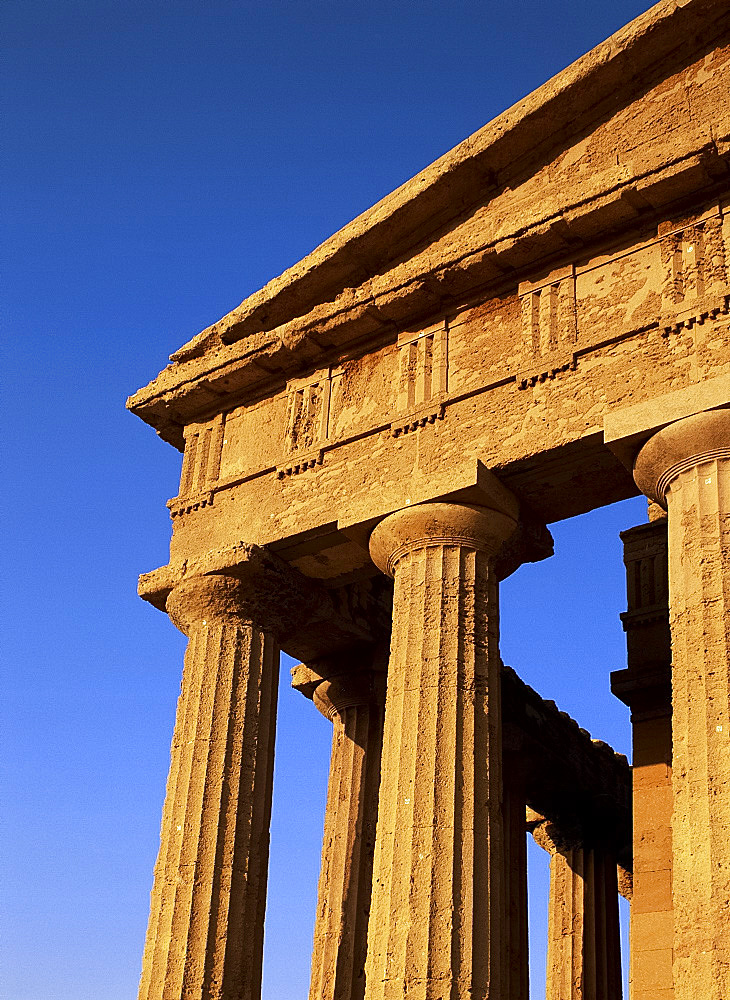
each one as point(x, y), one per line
point(444, 183)
point(395, 229)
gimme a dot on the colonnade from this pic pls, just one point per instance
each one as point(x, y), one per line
point(429, 900)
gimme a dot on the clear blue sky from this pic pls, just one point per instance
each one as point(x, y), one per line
point(161, 161)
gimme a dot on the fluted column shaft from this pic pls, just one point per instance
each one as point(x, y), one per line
point(645, 686)
point(437, 904)
point(355, 703)
point(584, 949)
point(686, 468)
point(517, 972)
point(205, 934)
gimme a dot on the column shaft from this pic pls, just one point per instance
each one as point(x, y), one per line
point(340, 933)
point(517, 984)
point(646, 687)
point(686, 467)
point(436, 927)
point(205, 933)
point(564, 979)
point(699, 581)
point(584, 960)
point(652, 925)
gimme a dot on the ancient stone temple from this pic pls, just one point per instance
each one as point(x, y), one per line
point(536, 325)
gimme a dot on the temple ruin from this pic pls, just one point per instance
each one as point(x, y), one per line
point(535, 326)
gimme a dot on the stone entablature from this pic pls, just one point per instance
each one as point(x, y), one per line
point(570, 348)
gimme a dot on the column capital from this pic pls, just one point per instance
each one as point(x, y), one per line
point(307, 619)
point(348, 680)
point(243, 584)
point(417, 527)
point(336, 694)
point(254, 592)
point(211, 600)
point(552, 837)
point(678, 447)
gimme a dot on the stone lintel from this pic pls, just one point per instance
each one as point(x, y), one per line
point(577, 782)
point(315, 520)
point(470, 482)
point(648, 693)
point(478, 486)
point(627, 429)
point(308, 620)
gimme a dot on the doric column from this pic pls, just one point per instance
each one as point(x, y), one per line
point(437, 904)
point(354, 702)
point(517, 978)
point(584, 956)
point(686, 468)
point(646, 687)
point(205, 933)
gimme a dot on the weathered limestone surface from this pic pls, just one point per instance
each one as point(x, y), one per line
point(205, 934)
point(686, 467)
point(436, 919)
point(482, 353)
point(647, 688)
point(584, 960)
point(354, 700)
point(516, 930)
point(565, 775)
point(355, 465)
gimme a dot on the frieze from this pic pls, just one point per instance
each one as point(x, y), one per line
point(308, 422)
point(564, 316)
point(200, 468)
point(308, 411)
point(694, 263)
point(202, 455)
point(422, 378)
point(549, 329)
point(672, 281)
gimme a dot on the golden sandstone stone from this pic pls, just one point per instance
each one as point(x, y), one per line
point(536, 325)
